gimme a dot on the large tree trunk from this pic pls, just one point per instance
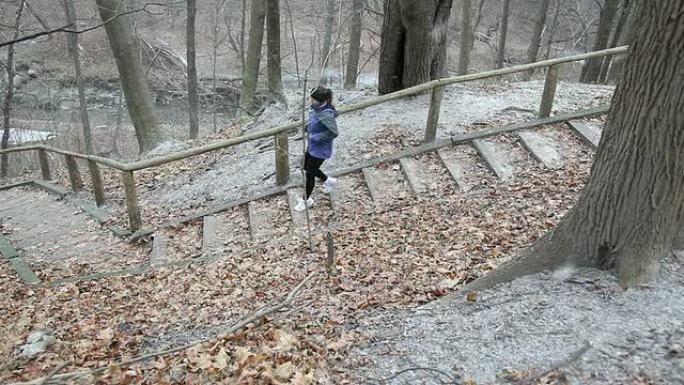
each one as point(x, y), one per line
point(466, 39)
point(193, 97)
point(501, 49)
point(354, 45)
point(413, 47)
point(536, 37)
point(136, 90)
point(326, 51)
point(631, 212)
point(592, 69)
point(275, 78)
point(250, 75)
point(7, 102)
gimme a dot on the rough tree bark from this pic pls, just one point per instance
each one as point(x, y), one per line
point(413, 46)
point(501, 49)
point(191, 57)
point(136, 90)
point(592, 69)
point(326, 51)
point(466, 39)
point(354, 45)
point(631, 212)
point(274, 70)
point(535, 39)
point(250, 75)
point(9, 92)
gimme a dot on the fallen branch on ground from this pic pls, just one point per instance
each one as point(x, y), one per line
point(260, 313)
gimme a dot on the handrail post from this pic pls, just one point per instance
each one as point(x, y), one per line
point(44, 164)
point(74, 174)
point(549, 91)
point(282, 158)
point(96, 179)
point(132, 208)
point(433, 113)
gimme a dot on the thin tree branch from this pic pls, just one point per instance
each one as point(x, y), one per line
point(65, 28)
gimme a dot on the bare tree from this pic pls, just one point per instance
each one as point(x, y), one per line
point(466, 38)
point(72, 40)
point(631, 212)
point(592, 69)
point(535, 40)
point(136, 90)
point(193, 97)
point(250, 75)
point(354, 44)
point(413, 47)
point(501, 49)
point(326, 52)
point(617, 35)
point(275, 78)
point(9, 93)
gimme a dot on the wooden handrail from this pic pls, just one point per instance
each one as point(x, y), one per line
point(411, 91)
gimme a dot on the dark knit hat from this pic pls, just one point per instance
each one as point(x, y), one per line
point(321, 94)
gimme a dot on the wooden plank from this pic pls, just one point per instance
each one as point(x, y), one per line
point(24, 271)
point(17, 184)
point(455, 168)
point(549, 93)
point(209, 236)
point(255, 224)
point(132, 208)
point(51, 187)
point(282, 158)
point(74, 174)
point(298, 219)
point(542, 149)
point(412, 171)
point(588, 133)
point(158, 255)
point(494, 159)
point(373, 183)
point(433, 114)
point(44, 164)
point(6, 249)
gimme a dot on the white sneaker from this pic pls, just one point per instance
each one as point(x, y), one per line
point(301, 206)
point(329, 185)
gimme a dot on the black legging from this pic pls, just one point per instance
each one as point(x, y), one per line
point(312, 165)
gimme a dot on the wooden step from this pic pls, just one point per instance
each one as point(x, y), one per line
point(158, 255)
point(589, 133)
point(456, 169)
point(414, 174)
point(210, 239)
point(350, 195)
point(256, 222)
point(542, 148)
point(232, 231)
point(293, 195)
point(494, 158)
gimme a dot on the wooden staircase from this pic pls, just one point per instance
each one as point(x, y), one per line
point(498, 159)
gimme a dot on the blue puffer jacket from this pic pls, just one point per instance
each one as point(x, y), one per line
point(322, 129)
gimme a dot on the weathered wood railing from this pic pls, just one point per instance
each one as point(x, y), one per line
point(280, 134)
